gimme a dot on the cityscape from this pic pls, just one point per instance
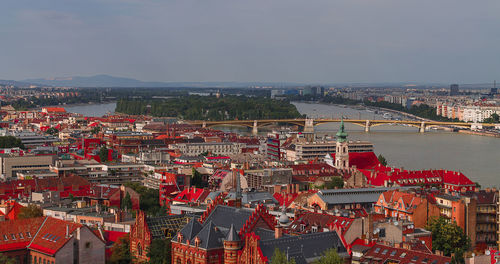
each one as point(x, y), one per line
point(283, 132)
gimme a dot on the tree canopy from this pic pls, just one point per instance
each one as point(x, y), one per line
point(30, 211)
point(211, 108)
point(160, 251)
point(10, 142)
point(448, 238)
point(149, 198)
point(382, 160)
point(280, 257)
point(120, 252)
point(330, 257)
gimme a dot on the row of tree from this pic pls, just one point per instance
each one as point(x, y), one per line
point(211, 108)
point(10, 142)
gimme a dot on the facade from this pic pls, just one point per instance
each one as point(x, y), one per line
point(146, 229)
point(406, 206)
point(195, 149)
point(318, 150)
point(460, 210)
point(269, 177)
point(10, 165)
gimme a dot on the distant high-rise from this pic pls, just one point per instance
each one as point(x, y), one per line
point(454, 89)
point(494, 90)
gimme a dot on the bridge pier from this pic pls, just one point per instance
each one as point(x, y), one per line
point(204, 125)
point(309, 125)
point(422, 127)
point(367, 126)
point(255, 129)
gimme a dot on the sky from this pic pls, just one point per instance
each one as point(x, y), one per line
point(306, 41)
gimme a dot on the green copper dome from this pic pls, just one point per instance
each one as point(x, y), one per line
point(341, 135)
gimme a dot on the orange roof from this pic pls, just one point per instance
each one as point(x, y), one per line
point(14, 211)
point(52, 235)
point(17, 234)
point(54, 109)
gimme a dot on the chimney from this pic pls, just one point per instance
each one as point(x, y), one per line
point(67, 231)
point(278, 232)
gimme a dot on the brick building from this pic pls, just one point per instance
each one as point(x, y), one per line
point(146, 229)
point(233, 235)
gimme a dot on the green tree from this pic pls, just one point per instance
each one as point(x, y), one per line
point(197, 179)
point(448, 238)
point(95, 130)
point(127, 202)
point(149, 198)
point(280, 258)
point(103, 154)
point(494, 118)
point(52, 131)
point(335, 183)
point(6, 260)
point(120, 252)
point(330, 257)
point(160, 251)
point(10, 142)
point(30, 211)
point(382, 160)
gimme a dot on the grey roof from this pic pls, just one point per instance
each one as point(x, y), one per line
point(213, 195)
point(190, 230)
point(210, 236)
point(304, 247)
point(253, 197)
point(223, 216)
point(232, 235)
point(350, 196)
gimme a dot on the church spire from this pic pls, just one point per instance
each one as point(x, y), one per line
point(341, 134)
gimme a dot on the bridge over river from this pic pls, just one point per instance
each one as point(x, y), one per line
point(308, 123)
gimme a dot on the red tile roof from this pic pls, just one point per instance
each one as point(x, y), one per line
point(52, 235)
point(382, 253)
point(362, 160)
point(17, 234)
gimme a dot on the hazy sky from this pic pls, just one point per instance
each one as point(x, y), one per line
point(253, 40)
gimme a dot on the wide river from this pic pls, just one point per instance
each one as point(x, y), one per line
point(478, 157)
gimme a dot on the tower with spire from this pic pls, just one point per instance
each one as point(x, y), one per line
point(232, 243)
point(342, 149)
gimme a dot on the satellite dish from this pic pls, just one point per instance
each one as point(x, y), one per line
point(487, 252)
point(396, 223)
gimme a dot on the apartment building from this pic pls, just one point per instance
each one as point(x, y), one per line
point(216, 148)
point(12, 164)
point(319, 149)
point(95, 172)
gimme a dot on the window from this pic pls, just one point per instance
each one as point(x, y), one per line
point(403, 255)
point(377, 250)
point(393, 253)
point(384, 252)
point(139, 249)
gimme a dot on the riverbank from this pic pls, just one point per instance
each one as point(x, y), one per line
point(479, 133)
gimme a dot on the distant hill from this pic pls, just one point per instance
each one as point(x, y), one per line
point(95, 81)
point(111, 81)
point(16, 83)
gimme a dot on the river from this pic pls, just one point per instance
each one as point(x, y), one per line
point(96, 110)
point(478, 157)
